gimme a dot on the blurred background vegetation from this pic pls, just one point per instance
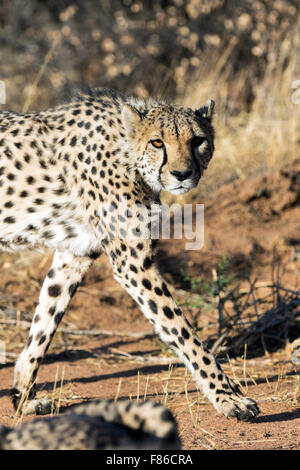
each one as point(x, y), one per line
point(244, 54)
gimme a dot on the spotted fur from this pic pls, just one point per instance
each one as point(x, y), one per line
point(64, 174)
point(98, 425)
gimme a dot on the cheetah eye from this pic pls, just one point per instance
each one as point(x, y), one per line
point(157, 143)
point(198, 141)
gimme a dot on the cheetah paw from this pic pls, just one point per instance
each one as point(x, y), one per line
point(239, 407)
point(42, 406)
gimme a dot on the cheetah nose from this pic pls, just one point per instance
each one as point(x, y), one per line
point(182, 175)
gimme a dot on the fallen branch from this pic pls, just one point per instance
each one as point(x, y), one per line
point(146, 359)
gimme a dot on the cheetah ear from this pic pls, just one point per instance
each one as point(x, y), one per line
point(207, 111)
point(130, 117)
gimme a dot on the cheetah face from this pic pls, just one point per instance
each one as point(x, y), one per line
point(172, 146)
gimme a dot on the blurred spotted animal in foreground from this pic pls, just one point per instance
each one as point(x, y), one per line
point(97, 425)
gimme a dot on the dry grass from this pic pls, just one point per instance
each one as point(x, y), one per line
point(273, 379)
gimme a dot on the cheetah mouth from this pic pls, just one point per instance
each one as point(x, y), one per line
point(184, 187)
point(181, 189)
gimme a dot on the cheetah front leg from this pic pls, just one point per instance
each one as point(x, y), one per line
point(59, 286)
point(139, 276)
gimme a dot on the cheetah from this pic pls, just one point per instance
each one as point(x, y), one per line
point(99, 425)
point(59, 169)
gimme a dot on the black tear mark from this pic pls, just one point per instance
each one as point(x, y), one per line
point(165, 160)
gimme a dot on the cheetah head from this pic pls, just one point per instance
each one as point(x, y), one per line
point(171, 146)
